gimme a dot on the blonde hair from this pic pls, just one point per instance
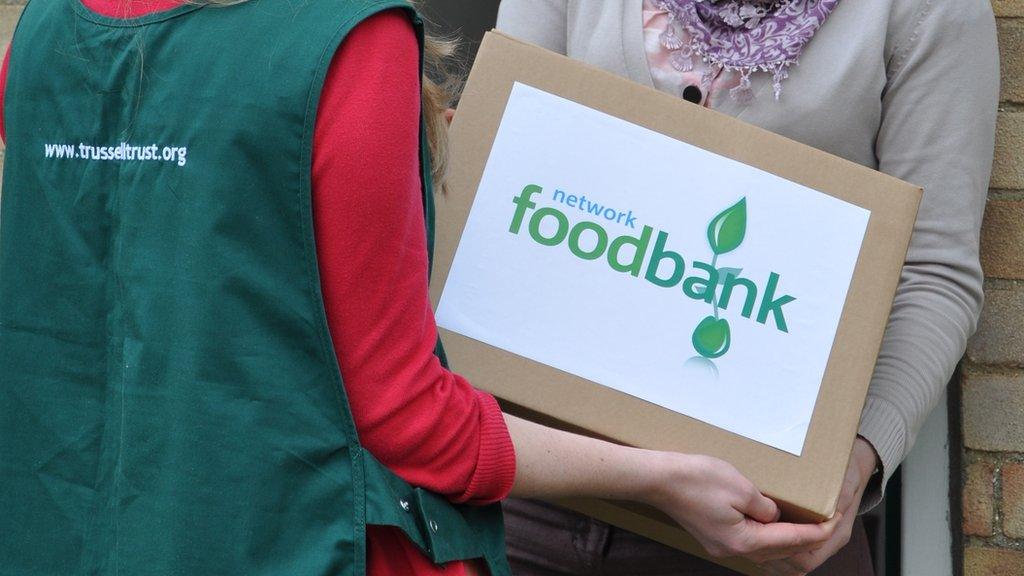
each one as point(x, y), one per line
point(441, 82)
point(440, 85)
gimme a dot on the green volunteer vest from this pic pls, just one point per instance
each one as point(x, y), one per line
point(170, 401)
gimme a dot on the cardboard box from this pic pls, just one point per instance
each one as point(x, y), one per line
point(616, 261)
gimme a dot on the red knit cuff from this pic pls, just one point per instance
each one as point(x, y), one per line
point(496, 461)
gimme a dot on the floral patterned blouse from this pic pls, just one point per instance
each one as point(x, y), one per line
point(704, 85)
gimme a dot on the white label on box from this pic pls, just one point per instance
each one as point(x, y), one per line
point(653, 267)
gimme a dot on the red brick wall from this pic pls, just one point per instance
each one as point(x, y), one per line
point(993, 382)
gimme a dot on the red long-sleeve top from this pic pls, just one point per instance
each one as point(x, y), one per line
point(422, 421)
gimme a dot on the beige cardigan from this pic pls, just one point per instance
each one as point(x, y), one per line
point(908, 87)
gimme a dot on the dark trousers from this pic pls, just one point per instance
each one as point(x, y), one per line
point(544, 540)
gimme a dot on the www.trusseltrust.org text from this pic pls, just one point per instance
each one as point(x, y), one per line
point(123, 152)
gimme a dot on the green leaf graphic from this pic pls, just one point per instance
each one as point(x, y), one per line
point(711, 339)
point(726, 231)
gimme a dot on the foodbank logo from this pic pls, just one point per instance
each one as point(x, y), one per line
point(712, 337)
point(645, 254)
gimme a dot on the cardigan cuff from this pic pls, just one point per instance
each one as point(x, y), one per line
point(496, 461)
point(882, 425)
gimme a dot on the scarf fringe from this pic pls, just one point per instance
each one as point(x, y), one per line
point(681, 58)
point(682, 54)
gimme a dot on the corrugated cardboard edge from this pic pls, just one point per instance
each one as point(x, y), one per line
point(806, 487)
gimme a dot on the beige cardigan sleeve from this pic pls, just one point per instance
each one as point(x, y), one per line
point(937, 131)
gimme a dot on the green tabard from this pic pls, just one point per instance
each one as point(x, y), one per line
point(170, 401)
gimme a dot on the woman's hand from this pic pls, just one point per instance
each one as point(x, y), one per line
point(862, 464)
point(708, 497)
point(727, 514)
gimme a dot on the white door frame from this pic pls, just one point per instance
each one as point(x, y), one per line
point(925, 532)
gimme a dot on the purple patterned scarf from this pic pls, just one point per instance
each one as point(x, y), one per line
point(744, 35)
